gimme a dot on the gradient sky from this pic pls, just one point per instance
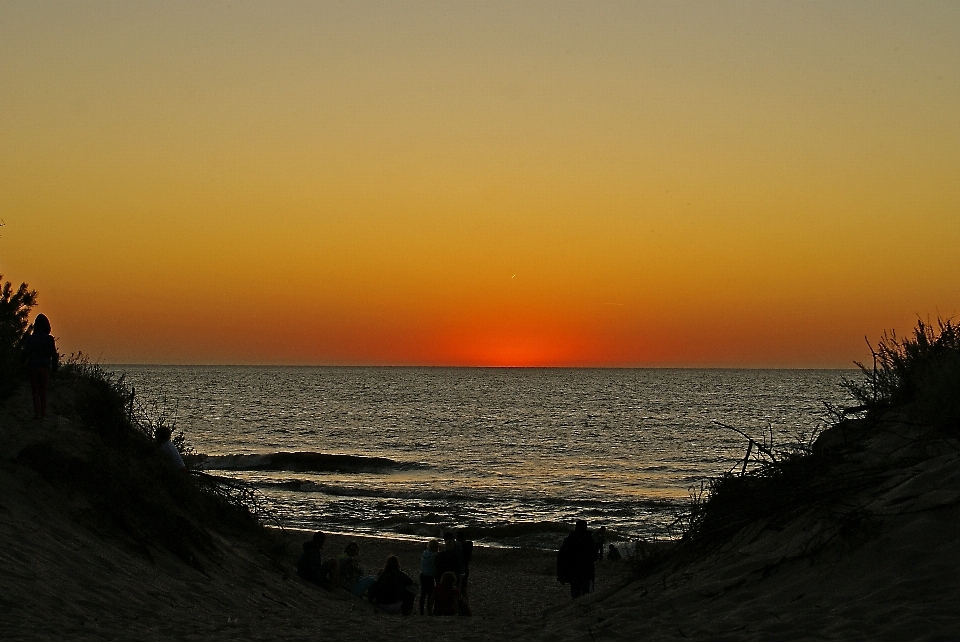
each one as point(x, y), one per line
point(517, 183)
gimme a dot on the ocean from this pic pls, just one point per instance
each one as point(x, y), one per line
point(513, 455)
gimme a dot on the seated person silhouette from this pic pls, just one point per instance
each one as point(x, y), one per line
point(446, 595)
point(352, 578)
point(311, 566)
point(394, 590)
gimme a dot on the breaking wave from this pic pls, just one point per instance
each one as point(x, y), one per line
point(307, 462)
point(462, 495)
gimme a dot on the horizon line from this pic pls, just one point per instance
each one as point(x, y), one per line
point(471, 367)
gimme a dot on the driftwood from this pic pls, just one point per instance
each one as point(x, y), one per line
point(751, 444)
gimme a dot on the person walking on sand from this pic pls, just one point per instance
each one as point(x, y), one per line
point(40, 353)
point(576, 559)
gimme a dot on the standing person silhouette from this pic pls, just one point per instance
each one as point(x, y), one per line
point(466, 554)
point(449, 559)
point(601, 537)
point(576, 560)
point(428, 576)
point(40, 353)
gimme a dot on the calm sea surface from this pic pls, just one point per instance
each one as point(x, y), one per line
point(515, 455)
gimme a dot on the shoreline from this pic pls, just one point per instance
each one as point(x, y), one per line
point(400, 537)
point(621, 544)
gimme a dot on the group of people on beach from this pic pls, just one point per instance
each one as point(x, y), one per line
point(444, 572)
point(443, 576)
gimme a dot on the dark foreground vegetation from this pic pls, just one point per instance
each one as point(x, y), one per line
point(112, 465)
point(912, 382)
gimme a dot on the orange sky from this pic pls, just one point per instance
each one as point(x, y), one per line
point(613, 184)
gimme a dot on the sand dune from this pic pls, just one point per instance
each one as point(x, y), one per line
point(878, 564)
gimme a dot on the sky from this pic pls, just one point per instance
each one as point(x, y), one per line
point(651, 184)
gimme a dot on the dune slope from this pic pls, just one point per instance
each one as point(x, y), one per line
point(874, 560)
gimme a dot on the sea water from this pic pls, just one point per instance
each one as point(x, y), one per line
point(513, 455)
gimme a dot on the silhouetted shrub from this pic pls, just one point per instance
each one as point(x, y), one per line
point(15, 308)
point(921, 371)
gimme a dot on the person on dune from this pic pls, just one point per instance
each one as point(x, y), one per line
point(40, 354)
